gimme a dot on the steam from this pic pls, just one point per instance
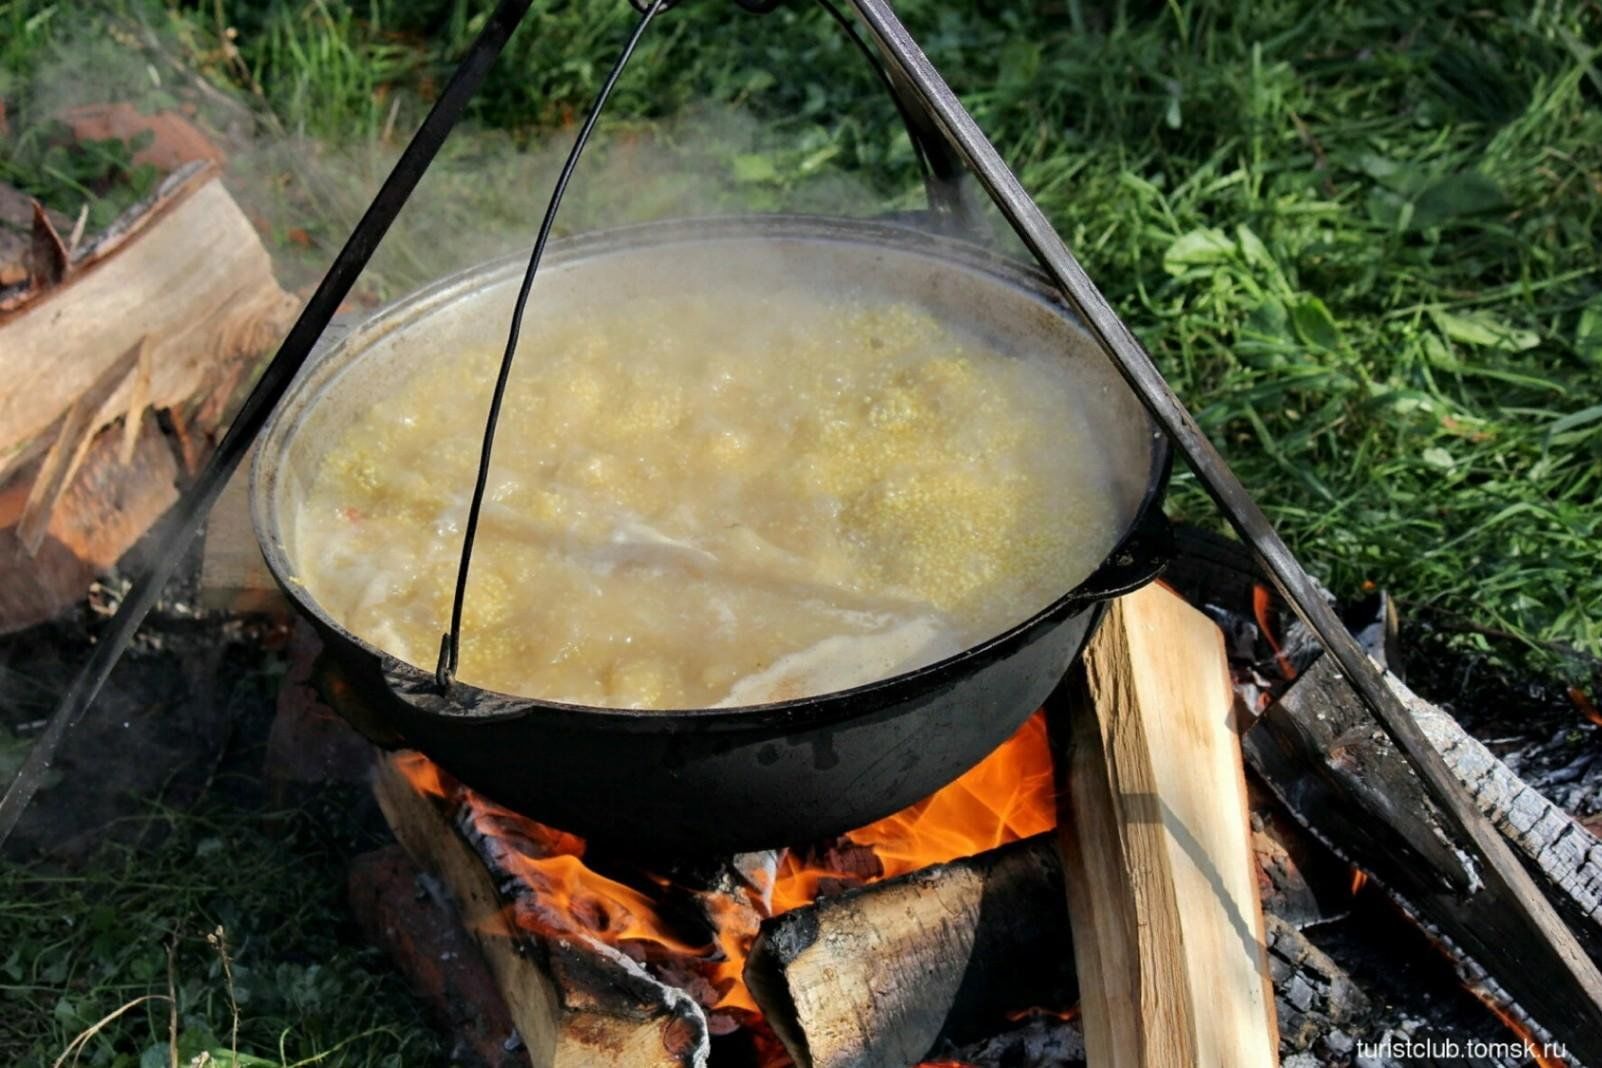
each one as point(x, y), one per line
point(484, 195)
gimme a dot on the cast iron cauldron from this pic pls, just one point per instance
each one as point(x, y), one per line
point(715, 781)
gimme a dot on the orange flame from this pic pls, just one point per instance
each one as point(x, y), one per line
point(1065, 1015)
point(1584, 704)
point(1260, 607)
point(1359, 879)
point(1007, 796)
point(422, 773)
point(566, 897)
point(799, 882)
point(736, 929)
point(1537, 1051)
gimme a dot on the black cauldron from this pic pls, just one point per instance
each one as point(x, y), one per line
point(702, 782)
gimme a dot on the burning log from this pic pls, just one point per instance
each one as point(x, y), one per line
point(1320, 751)
point(162, 313)
point(1566, 855)
point(575, 1001)
point(1162, 887)
point(814, 969)
point(876, 977)
point(401, 911)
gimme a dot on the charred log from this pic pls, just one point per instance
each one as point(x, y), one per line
point(575, 1002)
point(1322, 754)
point(1313, 996)
point(879, 976)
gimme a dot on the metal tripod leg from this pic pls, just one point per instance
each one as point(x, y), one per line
point(179, 526)
point(908, 62)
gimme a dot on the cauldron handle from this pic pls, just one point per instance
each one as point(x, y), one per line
point(1145, 553)
point(952, 209)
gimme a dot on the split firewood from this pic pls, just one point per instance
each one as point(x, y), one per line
point(1162, 886)
point(876, 977)
point(881, 976)
point(71, 443)
point(189, 274)
point(575, 1002)
point(1320, 751)
point(105, 509)
point(163, 313)
point(233, 573)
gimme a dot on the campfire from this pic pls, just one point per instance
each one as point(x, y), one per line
point(697, 933)
point(1278, 903)
point(1218, 843)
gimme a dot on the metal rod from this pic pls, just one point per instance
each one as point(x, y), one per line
point(1135, 364)
point(179, 526)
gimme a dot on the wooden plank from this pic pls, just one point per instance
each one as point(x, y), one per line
point(1161, 881)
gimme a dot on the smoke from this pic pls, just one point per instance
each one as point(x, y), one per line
point(485, 193)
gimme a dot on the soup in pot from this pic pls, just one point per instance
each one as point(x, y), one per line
point(713, 501)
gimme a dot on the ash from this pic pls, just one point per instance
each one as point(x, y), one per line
point(1037, 1042)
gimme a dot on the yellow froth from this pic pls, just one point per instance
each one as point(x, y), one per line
point(689, 507)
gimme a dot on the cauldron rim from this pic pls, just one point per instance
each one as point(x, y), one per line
point(1136, 558)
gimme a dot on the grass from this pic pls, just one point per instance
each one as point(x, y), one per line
point(76, 946)
point(211, 929)
point(1361, 241)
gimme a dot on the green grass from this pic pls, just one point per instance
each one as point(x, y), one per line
point(76, 946)
point(1361, 241)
